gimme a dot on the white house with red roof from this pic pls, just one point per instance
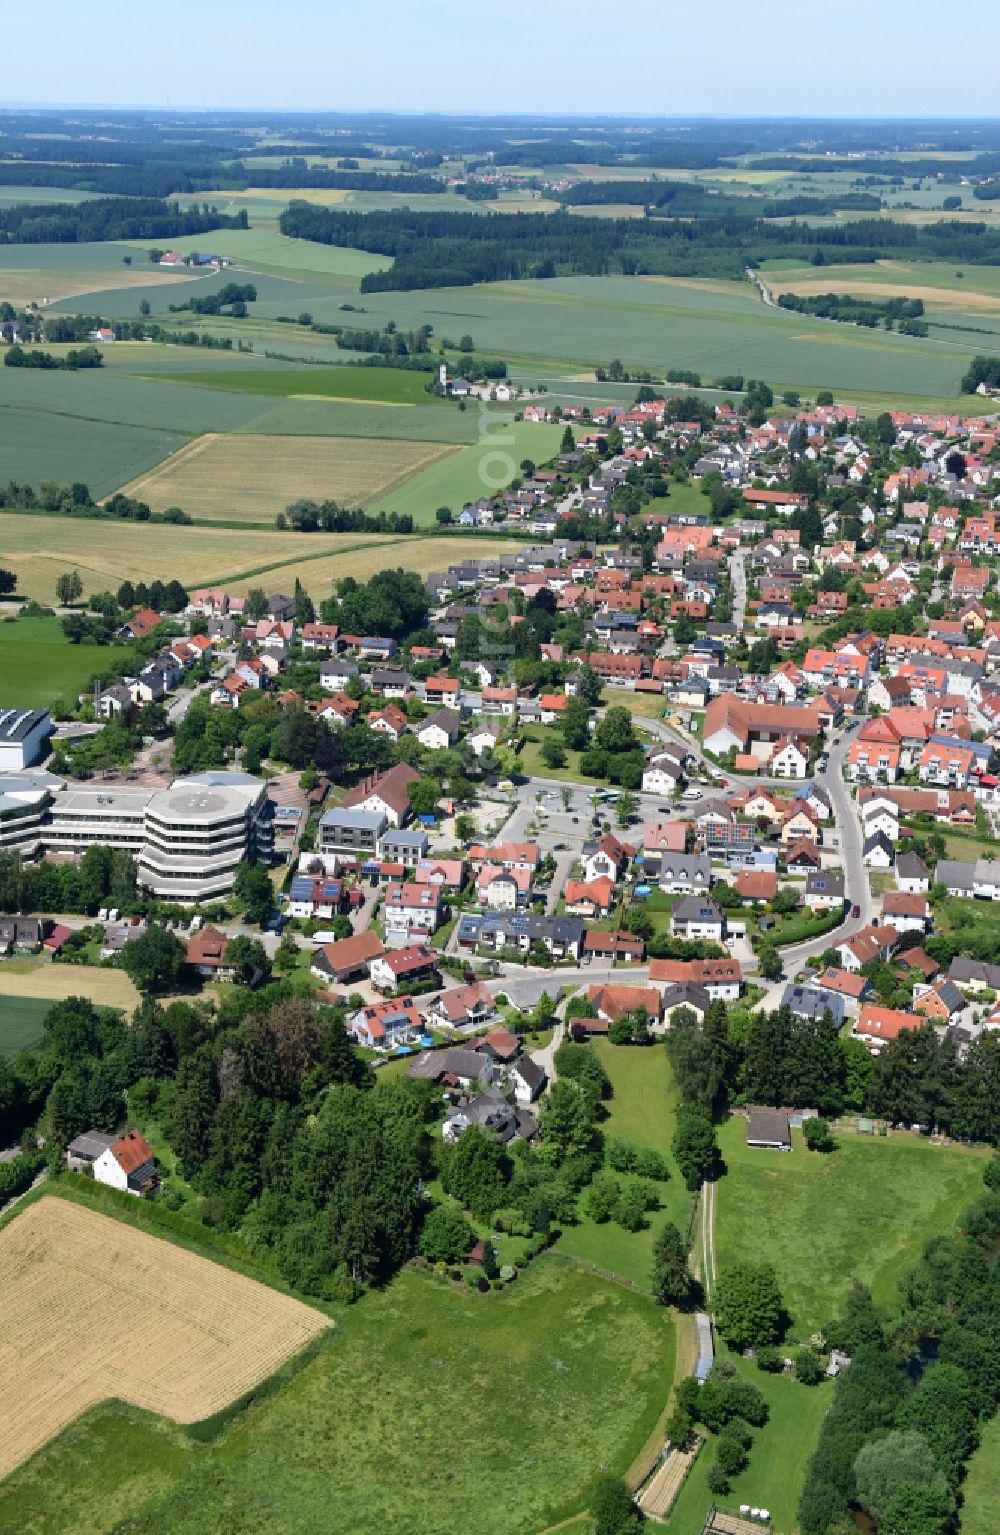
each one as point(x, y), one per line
point(127, 1164)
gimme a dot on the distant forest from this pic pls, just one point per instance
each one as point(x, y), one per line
point(433, 250)
point(107, 218)
point(126, 153)
point(689, 199)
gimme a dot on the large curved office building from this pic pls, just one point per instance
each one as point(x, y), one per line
point(186, 840)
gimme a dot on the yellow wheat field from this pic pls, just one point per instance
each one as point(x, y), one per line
point(251, 478)
point(383, 551)
point(93, 1308)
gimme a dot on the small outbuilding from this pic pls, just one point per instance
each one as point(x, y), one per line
point(769, 1129)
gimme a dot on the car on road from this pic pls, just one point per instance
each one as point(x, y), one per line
point(663, 810)
point(558, 847)
point(575, 819)
point(855, 910)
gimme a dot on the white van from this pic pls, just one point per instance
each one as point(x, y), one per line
point(691, 793)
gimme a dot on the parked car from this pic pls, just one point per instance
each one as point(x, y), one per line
point(855, 910)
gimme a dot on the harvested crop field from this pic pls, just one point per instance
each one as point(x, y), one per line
point(252, 478)
point(962, 298)
point(40, 549)
point(40, 979)
point(94, 1308)
point(381, 551)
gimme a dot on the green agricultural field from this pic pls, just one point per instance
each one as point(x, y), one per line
point(38, 663)
point(21, 1022)
point(863, 1212)
point(642, 1110)
point(981, 1490)
point(419, 1401)
point(371, 386)
point(778, 1459)
point(568, 325)
point(475, 471)
point(45, 273)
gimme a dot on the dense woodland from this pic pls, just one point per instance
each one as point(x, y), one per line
point(689, 199)
point(432, 250)
point(107, 218)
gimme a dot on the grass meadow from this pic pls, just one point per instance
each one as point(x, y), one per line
point(863, 1212)
point(369, 386)
point(778, 1459)
point(362, 558)
point(38, 664)
point(422, 1400)
point(474, 471)
point(642, 1110)
point(981, 1490)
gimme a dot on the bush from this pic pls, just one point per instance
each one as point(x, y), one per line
point(808, 1367)
point(770, 1359)
point(818, 1135)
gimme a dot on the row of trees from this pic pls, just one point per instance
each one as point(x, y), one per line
point(77, 358)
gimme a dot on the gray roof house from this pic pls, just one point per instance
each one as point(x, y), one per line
point(813, 1001)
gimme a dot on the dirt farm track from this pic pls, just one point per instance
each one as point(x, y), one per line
point(93, 1308)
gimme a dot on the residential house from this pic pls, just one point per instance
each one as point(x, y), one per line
point(465, 1007)
point(403, 967)
point(411, 911)
point(386, 1025)
point(875, 1025)
point(348, 959)
point(824, 889)
point(685, 873)
point(909, 912)
point(127, 1164)
point(696, 917)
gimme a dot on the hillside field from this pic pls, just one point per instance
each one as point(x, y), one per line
point(165, 1330)
point(419, 1402)
point(250, 478)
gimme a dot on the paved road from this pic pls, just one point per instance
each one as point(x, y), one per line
point(738, 572)
point(525, 986)
point(857, 887)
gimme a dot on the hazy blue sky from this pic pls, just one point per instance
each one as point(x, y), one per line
point(915, 58)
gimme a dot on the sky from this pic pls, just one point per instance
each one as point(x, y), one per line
point(785, 58)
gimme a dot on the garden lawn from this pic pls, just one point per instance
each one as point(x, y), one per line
point(643, 1111)
point(864, 1212)
point(424, 1398)
point(21, 1022)
point(778, 1458)
point(38, 664)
